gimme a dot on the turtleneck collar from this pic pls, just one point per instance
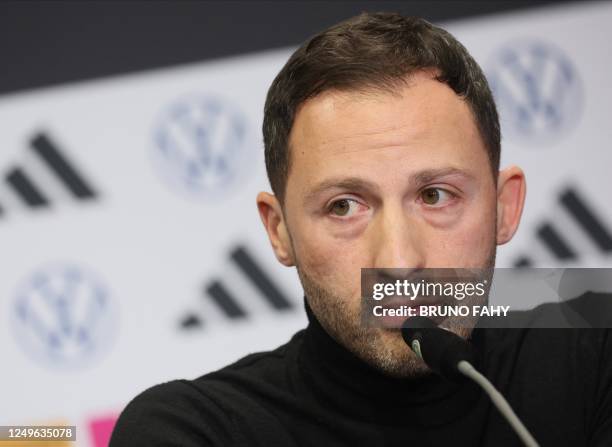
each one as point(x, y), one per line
point(340, 379)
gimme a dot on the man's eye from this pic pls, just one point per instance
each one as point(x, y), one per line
point(435, 196)
point(343, 207)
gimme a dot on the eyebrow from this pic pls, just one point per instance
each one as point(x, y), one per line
point(352, 183)
point(359, 184)
point(429, 175)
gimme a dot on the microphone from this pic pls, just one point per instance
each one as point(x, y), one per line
point(440, 349)
point(451, 356)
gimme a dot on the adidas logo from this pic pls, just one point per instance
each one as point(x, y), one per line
point(221, 297)
point(48, 157)
point(560, 243)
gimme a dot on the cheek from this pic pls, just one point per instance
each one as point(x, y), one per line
point(466, 245)
point(335, 264)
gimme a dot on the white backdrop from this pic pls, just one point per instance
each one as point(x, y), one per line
point(106, 294)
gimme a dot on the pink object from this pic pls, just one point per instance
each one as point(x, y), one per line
point(101, 429)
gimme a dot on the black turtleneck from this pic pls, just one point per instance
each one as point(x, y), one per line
point(312, 391)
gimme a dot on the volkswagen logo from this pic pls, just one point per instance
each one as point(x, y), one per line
point(64, 316)
point(199, 146)
point(537, 90)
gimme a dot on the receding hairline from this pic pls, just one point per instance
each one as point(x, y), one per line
point(393, 88)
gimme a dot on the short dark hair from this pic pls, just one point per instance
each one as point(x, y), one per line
point(372, 51)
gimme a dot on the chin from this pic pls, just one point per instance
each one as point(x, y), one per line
point(389, 354)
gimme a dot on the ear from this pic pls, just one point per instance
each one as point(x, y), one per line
point(274, 221)
point(511, 189)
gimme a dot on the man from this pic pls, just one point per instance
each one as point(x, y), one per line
point(382, 148)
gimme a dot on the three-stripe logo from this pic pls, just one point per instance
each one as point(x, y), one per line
point(226, 302)
point(30, 192)
point(557, 244)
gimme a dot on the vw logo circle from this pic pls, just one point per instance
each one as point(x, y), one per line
point(64, 316)
point(537, 90)
point(199, 146)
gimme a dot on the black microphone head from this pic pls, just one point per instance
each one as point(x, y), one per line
point(439, 348)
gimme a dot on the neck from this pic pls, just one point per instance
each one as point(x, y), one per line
point(342, 380)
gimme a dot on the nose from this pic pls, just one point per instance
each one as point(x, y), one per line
point(397, 242)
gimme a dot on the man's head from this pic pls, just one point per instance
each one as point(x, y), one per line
point(382, 148)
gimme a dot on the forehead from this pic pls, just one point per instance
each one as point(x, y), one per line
point(419, 122)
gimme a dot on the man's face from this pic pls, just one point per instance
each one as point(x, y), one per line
point(381, 180)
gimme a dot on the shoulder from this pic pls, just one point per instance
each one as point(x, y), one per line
point(549, 375)
point(541, 342)
point(171, 413)
point(567, 367)
point(208, 410)
point(553, 343)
